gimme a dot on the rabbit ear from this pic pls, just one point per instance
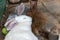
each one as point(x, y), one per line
point(20, 9)
point(10, 24)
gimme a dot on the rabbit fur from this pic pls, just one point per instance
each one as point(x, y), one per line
point(38, 22)
point(18, 11)
point(22, 30)
point(59, 37)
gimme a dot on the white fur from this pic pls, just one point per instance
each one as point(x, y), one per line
point(59, 37)
point(22, 30)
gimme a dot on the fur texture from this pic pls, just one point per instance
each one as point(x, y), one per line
point(38, 21)
point(22, 30)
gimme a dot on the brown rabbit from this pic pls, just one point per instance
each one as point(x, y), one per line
point(38, 20)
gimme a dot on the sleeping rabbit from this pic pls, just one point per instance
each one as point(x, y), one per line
point(18, 11)
point(22, 29)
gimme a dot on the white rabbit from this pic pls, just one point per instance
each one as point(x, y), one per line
point(18, 11)
point(22, 30)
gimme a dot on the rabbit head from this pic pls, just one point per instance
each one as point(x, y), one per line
point(23, 18)
point(18, 19)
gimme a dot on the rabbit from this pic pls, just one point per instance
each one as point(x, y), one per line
point(18, 11)
point(22, 29)
point(38, 21)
